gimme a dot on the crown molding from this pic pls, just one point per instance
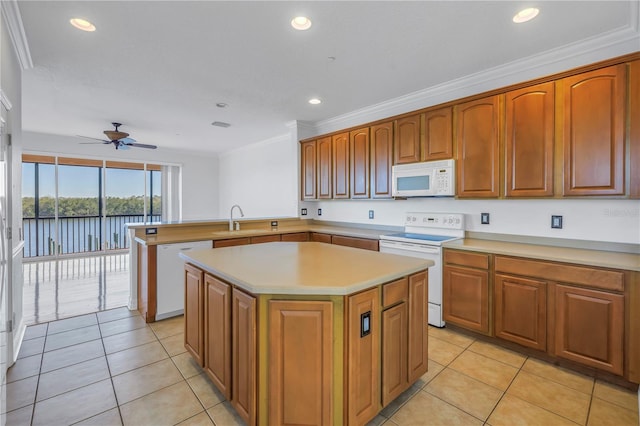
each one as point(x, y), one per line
point(611, 44)
point(4, 100)
point(13, 18)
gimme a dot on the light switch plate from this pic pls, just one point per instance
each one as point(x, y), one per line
point(370, 214)
point(556, 222)
point(319, 212)
point(303, 212)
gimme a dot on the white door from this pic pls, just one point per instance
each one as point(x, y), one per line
point(5, 261)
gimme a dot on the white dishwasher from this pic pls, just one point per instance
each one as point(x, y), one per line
point(170, 278)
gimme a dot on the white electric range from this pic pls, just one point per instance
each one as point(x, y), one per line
point(423, 236)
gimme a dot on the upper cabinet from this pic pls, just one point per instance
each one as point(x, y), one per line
point(359, 162)
point(324, 167)
point(478, 154)
point(529, 141)
point(308, 172)
point(381, 159)
point(340, 164)
point(438, 135)
point(634, 128)
point(594, 123)
point(407, 140)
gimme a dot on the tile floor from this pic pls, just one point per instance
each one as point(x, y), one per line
point(110, 368)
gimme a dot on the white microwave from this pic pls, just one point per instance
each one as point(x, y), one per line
point(426, 179)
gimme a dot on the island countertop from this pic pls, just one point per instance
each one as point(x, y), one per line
point(307, 268)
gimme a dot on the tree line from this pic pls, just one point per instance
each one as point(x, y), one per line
point(88, 206)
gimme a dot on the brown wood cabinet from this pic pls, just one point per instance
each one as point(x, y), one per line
point(359, 157)
point(363, 356)
point(594, 131)
point(300, 391)
point(634, 128)
point(296, 237)
point(340, 165)
point(529, 141)
point(265, 239)
point(244, 351)
point(438, 135)
point(193, 312)
point(521, 310)
point(321, 238)
point(361, 243)
point(308, 172)
point(478, 148)
point(589, 327)
point(418, 331)
point(231, 242)
point(324, 173)
point(381, 159)
point(407, 139)
point(217, 333)
point(394, 352)
point(466, 300)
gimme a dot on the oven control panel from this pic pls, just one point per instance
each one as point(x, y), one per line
point(435, 220)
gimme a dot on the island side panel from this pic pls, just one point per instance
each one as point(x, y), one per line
point(147, 277)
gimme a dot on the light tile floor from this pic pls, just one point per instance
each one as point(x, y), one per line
point(110, 368)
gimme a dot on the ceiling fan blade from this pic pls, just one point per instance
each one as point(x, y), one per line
point(96, 139)
point(127, 141)
point(142, 145)
point(122, 147)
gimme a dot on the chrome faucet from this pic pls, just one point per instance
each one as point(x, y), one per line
point(231, 217)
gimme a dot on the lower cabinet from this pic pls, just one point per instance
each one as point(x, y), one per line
point(243, 350)
point(417, 350)
point(217, 333)
point(194, 312)
point(300, 387)
point(466, 300)
point(589, 327)
point(394, 352)
point(521, 310)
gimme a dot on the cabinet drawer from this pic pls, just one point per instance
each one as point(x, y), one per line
point(472, 260)
point(231, 242)
point(361, 243)
point(265, 239)
point(296, 237)
point(394, 292)
point(321, 238)
point(591, 277)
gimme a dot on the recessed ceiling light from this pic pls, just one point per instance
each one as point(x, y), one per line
point(220, 124)
point(301, 23)
point(221, 105)
point(315, 101)
point(82, 24)
point(525, 15)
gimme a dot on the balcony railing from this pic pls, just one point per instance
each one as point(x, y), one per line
point(77, 234)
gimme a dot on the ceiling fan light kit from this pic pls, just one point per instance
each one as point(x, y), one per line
point(120, 140)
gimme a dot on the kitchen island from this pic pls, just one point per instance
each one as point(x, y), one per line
point(306, 333)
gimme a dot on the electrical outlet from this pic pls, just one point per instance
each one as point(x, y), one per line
point(556, 222)
point(274, 223)
point(150, 231)
point(484, 218)
point(303, 212)
point(319, 212)
point(370, 214)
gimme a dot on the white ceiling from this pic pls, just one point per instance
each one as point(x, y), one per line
point(160, 67)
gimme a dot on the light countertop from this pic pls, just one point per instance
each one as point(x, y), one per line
point(605, 259)
point(307, 268)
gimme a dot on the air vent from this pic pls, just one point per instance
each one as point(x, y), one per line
point(220, 124)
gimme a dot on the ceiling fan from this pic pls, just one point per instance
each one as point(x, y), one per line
point(120, 140)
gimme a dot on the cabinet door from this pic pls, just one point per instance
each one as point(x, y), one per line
point(359, 157)
point(418, 331)
point(217, 333)
point(407, 140)
point(296, 237)
point(308, 172)
point(325, 159)
point(466, 298)
point(394, 352)
point(381, 160)
point(477, 168)
point(594, 120)
point(521, 311)
point(363, 357)
point(300, 362)
point(634, 128)
point(529, 141)
point(341, 165)
point(438, 135)
point(361, 243)
point(243, 347)
point(590, 327)
point(194, 312)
